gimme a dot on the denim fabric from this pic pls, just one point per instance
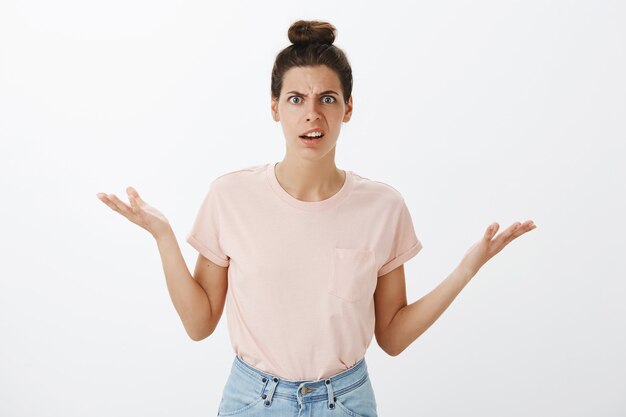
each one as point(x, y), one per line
point(250, 392)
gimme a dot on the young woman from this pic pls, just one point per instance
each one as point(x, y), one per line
point(307, 258)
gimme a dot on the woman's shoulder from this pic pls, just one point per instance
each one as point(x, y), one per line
point(236, 177)
point(378, 187)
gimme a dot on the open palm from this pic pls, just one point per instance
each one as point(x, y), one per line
point(487, 247)
point(138, 212)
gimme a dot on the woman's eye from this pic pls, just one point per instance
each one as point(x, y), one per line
point(332, 99)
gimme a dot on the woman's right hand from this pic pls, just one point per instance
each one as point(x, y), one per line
point(139, 212)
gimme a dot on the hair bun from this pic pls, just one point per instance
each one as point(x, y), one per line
point(303, 32)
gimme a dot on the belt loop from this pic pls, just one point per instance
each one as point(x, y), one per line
point(268, 401)
point(331, 394)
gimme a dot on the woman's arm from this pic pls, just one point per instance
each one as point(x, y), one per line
point(410, 321)
point(190, 299)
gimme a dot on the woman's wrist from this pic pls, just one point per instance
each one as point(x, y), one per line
point(164, 234)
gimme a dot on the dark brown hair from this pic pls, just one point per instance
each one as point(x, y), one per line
point(312, 44)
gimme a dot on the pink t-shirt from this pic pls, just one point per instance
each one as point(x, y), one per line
point(301, 275)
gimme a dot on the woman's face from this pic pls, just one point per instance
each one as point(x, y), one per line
point(311, 98)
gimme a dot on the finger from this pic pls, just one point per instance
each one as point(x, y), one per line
point(103, 197)
point(132, 192)
point(135, 201)
point(123, 207)
point(526, 227)
point(509, 233)
point(107, 200)
point(491, 231)
point(135, 204)
point(504, 238)
point(518, 229)
point(523, 227)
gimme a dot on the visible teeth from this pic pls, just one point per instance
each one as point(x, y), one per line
point(314, 135)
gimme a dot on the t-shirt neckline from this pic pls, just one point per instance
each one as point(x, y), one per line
point(330, 202)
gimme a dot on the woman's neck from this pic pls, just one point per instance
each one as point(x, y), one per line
point(309, 180)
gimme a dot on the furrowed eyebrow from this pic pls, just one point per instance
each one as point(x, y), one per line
point(320, 94)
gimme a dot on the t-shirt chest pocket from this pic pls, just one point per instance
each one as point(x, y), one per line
point(352, 274)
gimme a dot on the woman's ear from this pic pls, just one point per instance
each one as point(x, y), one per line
point(348, 114)
point(274, 106)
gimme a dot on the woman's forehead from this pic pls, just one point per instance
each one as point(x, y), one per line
point(311, 79)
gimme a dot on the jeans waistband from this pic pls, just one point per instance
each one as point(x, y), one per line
point(306, 391)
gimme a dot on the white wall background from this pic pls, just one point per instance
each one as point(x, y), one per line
point(476, 111)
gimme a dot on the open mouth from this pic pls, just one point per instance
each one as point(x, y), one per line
point(311, 137)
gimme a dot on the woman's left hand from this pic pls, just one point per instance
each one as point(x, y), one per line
point(483, 250)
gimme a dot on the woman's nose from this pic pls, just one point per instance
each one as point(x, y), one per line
point(312, 111)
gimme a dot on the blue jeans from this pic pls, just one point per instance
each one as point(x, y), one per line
point(250, 392)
